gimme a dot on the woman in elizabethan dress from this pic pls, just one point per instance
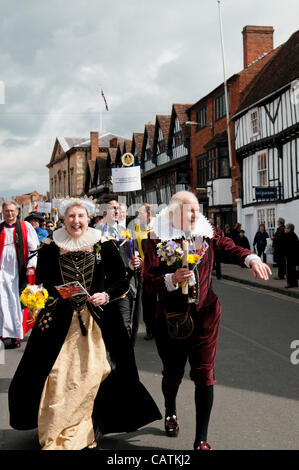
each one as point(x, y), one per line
point(65, 363)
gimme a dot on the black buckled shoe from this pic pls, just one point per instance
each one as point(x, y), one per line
point(11, 343)
point(171, 426)
point(202, 445)
point(148, 336)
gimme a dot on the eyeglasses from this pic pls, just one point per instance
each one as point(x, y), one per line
point(50, 226)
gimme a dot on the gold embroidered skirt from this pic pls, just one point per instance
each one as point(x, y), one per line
point(65, 412)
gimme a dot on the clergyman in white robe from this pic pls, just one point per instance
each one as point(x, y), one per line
point(11, 314)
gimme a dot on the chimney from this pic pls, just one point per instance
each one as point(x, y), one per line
point(94, 145)
point(257, 41)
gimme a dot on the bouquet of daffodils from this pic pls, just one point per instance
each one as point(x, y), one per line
point(34, 297)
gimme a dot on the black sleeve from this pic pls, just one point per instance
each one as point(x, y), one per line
point(116, 282)
point(46, 269)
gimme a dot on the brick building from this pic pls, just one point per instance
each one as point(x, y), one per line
point(215, 179)
point(71, 172)
point(28, 202)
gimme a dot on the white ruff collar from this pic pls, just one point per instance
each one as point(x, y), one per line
point(164, 230)
point(65, 241)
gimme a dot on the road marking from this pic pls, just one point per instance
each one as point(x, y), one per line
point(257, 344)
point(261, 290)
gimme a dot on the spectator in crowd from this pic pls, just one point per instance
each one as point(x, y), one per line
point(122, 218)
point(36, 219)
point(260, 242)
point(109, 226)
point(217, 261)
point(243, 240)
point(149, 299)
point(278, 248)
point(291, 253)
point(227, 231)
point(235, 235)
point(17, 240)
point(50, 227)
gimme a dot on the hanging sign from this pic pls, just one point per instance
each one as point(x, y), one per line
point(127, 159)
point(265, 192)
point(126, 179)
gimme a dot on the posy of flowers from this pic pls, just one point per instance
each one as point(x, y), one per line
point(172, 253)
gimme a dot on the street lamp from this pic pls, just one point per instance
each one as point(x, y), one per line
point(193, 123)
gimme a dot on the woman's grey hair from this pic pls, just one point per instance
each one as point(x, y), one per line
point(291, 227)
point(8, 203)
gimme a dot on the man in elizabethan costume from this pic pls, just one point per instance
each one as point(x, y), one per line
point(17, 240)
point(178, 266)
point(110, 226)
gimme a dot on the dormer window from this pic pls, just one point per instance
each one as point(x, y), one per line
point(161, 142)
point(148, 152)
point(177, 134)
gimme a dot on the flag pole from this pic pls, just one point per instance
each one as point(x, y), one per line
point(101, 117)
point(225, 87)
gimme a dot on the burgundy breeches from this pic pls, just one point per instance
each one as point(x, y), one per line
point(200, 348)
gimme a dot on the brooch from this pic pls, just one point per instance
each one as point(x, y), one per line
point(43, 322)
point(98, 254)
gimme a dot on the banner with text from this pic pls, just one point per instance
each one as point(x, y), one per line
point(126, 179)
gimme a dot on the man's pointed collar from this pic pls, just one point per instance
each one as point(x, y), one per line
point(164, 230)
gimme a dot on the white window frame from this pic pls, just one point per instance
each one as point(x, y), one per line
point(262, 170)
point(254, 124)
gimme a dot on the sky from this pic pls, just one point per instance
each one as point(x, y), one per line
point(55, 57)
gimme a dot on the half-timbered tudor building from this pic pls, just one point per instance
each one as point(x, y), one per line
point(267, 143)
point(136, 148)
point(147, 163)
point(127, 146)
point(119, 154)
point(166, 163)
point(215, 179)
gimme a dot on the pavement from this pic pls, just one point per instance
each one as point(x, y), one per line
point(245, 276)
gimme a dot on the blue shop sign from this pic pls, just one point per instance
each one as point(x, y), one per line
point(266, 192)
